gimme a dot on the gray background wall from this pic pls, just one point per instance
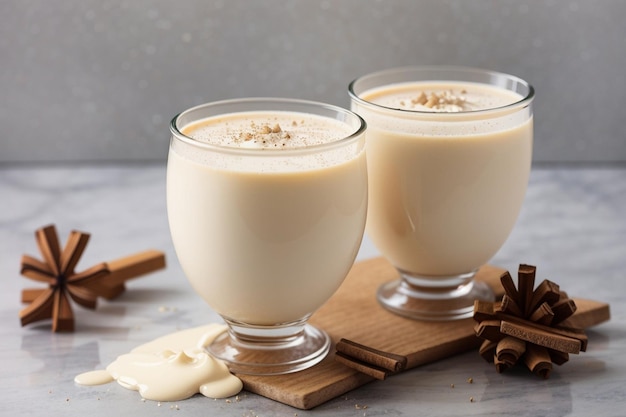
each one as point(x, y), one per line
point(98, 80)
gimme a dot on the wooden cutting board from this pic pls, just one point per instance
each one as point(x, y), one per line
point(354, 313)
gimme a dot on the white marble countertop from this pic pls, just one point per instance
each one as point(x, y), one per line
point(572, 226)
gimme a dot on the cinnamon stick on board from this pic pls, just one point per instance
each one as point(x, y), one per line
point(373, 362)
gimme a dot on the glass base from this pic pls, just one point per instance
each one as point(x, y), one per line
point(270, 350)
point(441, 298)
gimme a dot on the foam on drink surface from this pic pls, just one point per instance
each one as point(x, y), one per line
point(267, 130)
point(439, 109)
point(441, 97)
point(268, 136)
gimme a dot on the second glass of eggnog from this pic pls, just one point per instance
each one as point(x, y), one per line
point(449, 153)
point(267, 202)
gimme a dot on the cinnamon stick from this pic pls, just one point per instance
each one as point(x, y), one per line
point(62, 317)
point(509, 350)
point(572, 333)
point(483, 310)
point(82, 296)
point(541, 337)
point(538, 361)
point(488, 329)
point(542, 314)
point(509, 306)
point(509, 285)
point(30, 294)
point(133, 266)
point(74, 248)
point(365, 368)
point(377, 358)
point(546, 292)
point(526, 286)
point(93, 279)
point(488, 350)
point(563, 309)
point(48, 243)
point(36, 270)
point(558, 357)
point(39, 309)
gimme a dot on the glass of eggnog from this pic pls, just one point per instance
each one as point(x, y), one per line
point(267, 202)
point(449, 153)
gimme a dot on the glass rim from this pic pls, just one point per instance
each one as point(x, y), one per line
point(277, 101)
point(521, 103)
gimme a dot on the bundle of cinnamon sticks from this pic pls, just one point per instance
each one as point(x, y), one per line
point(105, 279)
point(528, 324)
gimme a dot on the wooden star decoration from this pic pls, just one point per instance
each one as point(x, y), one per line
point(57, 270)
point(529, 325)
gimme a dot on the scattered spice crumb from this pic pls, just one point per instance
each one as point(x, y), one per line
point(159, 404)
point(471, 399)
point(228, 401)
point(451, 385)
point(67, 400)
point(470, 380)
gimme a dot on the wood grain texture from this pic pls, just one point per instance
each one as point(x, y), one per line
point(354, 314)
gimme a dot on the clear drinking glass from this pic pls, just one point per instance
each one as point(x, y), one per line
point(447, 177)
point(266, 233)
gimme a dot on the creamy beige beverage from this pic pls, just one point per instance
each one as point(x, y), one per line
point(446, 186)
point(171, 368)
point(266, 236)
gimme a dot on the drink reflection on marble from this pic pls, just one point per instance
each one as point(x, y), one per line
point(449, 153)
point(266, 202)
